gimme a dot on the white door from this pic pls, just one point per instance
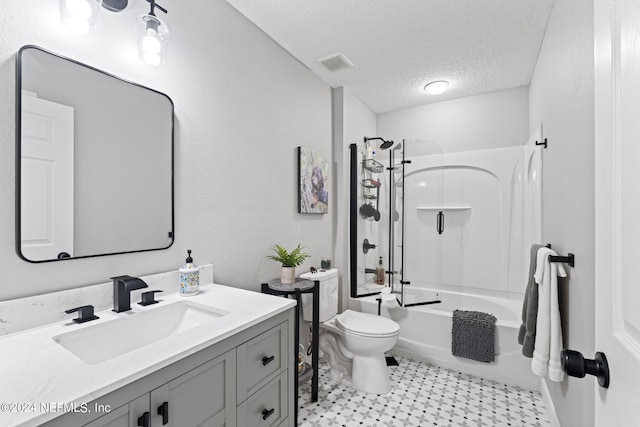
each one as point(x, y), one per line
point(46, 195)
point(617, 133)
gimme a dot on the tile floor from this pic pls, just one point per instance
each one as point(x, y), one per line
point(422, 395)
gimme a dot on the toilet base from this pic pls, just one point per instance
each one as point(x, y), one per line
point(371, 374)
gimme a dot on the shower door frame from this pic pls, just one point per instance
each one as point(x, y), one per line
point(353, 228)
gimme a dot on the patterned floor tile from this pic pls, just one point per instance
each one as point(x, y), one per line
point(422, 395)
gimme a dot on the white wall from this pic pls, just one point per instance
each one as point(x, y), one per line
point(561, 98)
point(492, 120)
point(242, 106)
point(352, 122)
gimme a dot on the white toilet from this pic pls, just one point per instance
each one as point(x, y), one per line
point(353, 343)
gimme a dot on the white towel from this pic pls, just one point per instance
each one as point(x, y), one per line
point(548, 343)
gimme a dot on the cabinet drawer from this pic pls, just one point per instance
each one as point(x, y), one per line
point(260, 360)
point(267, 407)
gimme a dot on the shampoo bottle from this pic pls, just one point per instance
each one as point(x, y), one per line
point(379, 273)
point(189, 277)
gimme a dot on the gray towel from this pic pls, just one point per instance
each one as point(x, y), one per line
point(527, 332)
point(473, 335)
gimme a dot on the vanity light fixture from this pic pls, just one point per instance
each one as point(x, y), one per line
point(437, 87)
point(80, 15)
point(153, 36)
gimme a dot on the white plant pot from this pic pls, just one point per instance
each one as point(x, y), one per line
point(288, 275)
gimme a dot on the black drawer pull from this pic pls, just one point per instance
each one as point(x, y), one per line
point(163, 410)
point(266, 413)
point(266, 360)
point(143, 421)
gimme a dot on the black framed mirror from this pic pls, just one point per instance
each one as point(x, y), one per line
point(94, 161)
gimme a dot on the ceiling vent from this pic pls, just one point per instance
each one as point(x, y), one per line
point(335, 62)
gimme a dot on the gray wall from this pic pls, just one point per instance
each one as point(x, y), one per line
point(492, 120)
point(561, 98)
point(242, 106)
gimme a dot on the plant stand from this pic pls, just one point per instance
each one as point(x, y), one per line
point(301, 286)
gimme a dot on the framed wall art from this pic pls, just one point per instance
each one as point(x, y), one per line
point(313, 182)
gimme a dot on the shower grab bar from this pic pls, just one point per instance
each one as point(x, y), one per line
point(543, 143)
point(569, 259)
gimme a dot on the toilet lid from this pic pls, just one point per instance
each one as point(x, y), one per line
point(366, 324)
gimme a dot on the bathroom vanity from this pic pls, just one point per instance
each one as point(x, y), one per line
point(222, 357)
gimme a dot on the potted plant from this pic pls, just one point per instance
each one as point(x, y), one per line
point(289, 261)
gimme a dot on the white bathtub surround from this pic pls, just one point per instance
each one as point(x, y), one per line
point(548, 343)
point(24, 313)
point(425, 334)
point(40, 370)
point(423, 395)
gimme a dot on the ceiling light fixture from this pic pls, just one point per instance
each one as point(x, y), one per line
point(153, 36)
point(437, 87)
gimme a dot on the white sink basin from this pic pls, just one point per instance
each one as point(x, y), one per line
point(95, 344)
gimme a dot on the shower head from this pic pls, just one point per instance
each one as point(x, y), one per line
point(384, 145)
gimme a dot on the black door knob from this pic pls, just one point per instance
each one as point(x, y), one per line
point(575, 365)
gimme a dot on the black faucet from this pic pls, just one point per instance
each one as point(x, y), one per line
point(122, 287)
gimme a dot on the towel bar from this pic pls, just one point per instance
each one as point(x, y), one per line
point(569, 259)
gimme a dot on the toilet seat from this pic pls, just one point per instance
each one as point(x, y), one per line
point(366, 325)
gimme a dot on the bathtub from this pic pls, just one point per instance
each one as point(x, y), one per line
point(425, 333)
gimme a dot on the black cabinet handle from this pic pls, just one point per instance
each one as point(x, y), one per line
point(266, 413)
point(266, 360)
point(163, 410)
point(144, 420)
point(575, 365)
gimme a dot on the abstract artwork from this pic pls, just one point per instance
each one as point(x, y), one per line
point(313, 182)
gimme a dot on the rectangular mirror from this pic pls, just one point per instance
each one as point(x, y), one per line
point(94, 161)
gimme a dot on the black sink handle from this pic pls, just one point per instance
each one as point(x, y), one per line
point(85, 313)
point(148, 298)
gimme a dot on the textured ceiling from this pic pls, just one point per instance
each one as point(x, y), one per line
point(397, 46)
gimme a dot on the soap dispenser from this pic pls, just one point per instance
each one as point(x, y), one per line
point(379, 280)
point(189, 277)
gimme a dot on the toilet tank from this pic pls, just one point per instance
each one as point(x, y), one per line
point(328, 293)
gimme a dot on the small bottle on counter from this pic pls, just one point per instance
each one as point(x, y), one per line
point(379, 280)
point(189, 277)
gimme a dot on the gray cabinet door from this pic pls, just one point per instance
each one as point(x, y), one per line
point(204, 396)
point(124, 416)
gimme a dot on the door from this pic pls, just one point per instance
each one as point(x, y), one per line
point(200, 397)
point(617, 132)
point(419, 224)
point(46, 217)
point(133, 414)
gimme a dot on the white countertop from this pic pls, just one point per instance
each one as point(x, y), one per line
point(34, 369)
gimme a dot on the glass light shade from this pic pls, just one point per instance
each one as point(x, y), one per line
point(436, 88)
point(80, 15)
point(153, 39)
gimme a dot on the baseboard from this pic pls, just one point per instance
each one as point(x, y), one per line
point(552, 415)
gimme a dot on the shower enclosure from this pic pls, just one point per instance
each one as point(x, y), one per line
point(387, 225)
point(458, 221)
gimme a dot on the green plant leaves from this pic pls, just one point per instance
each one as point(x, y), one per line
point(289, 259)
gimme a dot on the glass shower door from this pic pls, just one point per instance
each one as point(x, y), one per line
point(417, 222)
